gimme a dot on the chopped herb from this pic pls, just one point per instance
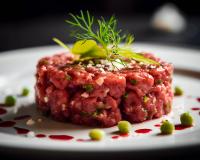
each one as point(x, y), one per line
point(133, 81)
point(68, 77)
point(25, 91)
point(145, 99)
point(85, 114)
point(159, 81)
point(97, 112)
point(125, 95)
point(10, 100)
point(44, 62)
point(88, 87)
point(178, 91)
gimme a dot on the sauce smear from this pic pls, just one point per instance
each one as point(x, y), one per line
point(181, 127)
point(198, 99)
point(2, 111)
point(83, 140)
point(40, 135)
point(120, 135)
point(144, 130)
point(7, 124)
point(123, 134)
point(61, 137)
point(195, 109)
point(22, 117)
point(21, 130)
point(157, 125)
point(115, 137)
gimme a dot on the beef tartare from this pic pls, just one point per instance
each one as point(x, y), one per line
point(94, 95)
point(98, 84)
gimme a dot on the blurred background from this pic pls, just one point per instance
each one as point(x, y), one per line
point(28, 23)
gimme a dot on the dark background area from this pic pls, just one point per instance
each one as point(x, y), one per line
point(27, 23)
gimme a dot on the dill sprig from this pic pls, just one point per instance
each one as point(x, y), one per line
point(106, 33)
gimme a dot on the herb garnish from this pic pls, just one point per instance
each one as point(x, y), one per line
point(68, 77)
point(133, 81)
point(102, 42)
point(145, 99)
point(125, 95)
point(88, 87)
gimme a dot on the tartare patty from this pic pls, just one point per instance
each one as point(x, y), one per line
point(92, 94)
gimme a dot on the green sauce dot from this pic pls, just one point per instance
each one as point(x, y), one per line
point(10, 100)
point(25, 91)
point(186, 119)
point(178, 91)
point(124, 127)
point(166, 127)
point(96, 134)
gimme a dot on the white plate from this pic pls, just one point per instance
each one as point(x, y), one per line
point(17, 69)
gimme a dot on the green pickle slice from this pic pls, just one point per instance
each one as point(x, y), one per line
point(96, 52)
point(129, 54)
point(83, 46)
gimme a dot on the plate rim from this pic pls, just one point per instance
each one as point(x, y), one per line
point(9, 53)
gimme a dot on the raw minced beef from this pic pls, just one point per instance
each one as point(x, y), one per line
point(96, 95)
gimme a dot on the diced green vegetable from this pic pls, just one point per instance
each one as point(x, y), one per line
point(178, 91)
point(125, 95)
point(84, 114)
point(88, 87)
point(133, 81)
point(96, 134)
point(159, 81)
point(97, 112)
point(68, 77)
point(10, 100)
point(83, 46)
point(25, 91)
point(138, 57)
point(124, 126)
point(166, 127)
point(96, 52)
point(145, 99)
point(186, 119)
